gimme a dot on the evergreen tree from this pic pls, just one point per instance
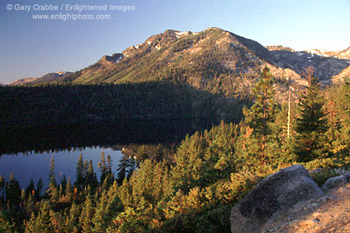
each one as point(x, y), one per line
point(2, 186)
point(41, 222)
point(52, 176)
point(72, 221)
point(6, 225)
point(39, 188)
point(258, 120)
point(100, 214)
point(91, 178)
point(79, 172)
point(30, 188)
point(69, 194)
point(122, 169)
point(103, 168)
point(87, 214)
point(13, 191)
point(109, 164)
point(311, 124)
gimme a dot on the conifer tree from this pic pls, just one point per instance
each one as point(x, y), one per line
point(72, 221)
point(52, 172)
point(6, 225)
point(122, 169)
point(109, 164)
point(41, 222)
point(311, 124)
point(259, 117)
point(69, 194)
point(100, 213)
point(91, 178)
point(39, 188)
point(2, 186)
point(79, 172)
point(103, 168)
point(13, 191)
point(87, 214)
point(30, 188)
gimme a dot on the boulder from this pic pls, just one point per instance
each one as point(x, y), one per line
point(334, 182)
point(278, 191)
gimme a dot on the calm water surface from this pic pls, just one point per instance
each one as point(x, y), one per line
point(36, 165)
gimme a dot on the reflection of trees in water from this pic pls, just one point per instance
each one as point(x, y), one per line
point(61, 137)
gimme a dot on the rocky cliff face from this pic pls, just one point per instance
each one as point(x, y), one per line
point(324, 67)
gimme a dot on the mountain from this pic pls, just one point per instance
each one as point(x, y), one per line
point(43, 79)
point(213, 60)
point(344, 54)
point(23, 81)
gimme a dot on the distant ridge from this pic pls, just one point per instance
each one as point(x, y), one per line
point(43, 79)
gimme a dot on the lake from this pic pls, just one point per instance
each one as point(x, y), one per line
point(36, 165)
point(24, 151)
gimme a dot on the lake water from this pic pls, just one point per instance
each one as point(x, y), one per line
point(36, 165)
point(95, 138)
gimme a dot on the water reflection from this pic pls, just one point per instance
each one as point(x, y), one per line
point(61, 137)
point(36, 165)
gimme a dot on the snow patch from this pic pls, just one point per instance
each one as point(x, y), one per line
point(120, 58)
point(148, 42)
point(158, 47)
point(179, 34)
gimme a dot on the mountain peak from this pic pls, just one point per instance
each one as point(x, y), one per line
point(215, 60)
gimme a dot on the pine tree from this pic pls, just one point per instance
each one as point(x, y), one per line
point(259, 117)
point(69, 194)
point(109, 164)
point(39, 188)
point(87, 214)
point(30, 188)
point(311, 124)
point(114, 204)
point(13, 191)
point(103, 168)
point(72, 221)
point(79, 173)
point(91, 178)
point(52, 176)
point(41, 222)
point(122, 169)
point(2, 186)
point(100, 214)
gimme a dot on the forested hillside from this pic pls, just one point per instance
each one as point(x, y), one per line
point(193, 190)
point(57, 116)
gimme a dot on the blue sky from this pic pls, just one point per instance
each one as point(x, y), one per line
point(32, 48)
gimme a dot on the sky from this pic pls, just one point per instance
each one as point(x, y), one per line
point(33, 47)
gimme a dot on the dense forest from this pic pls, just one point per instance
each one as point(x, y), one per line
point(52, 115)
point(190, 188)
